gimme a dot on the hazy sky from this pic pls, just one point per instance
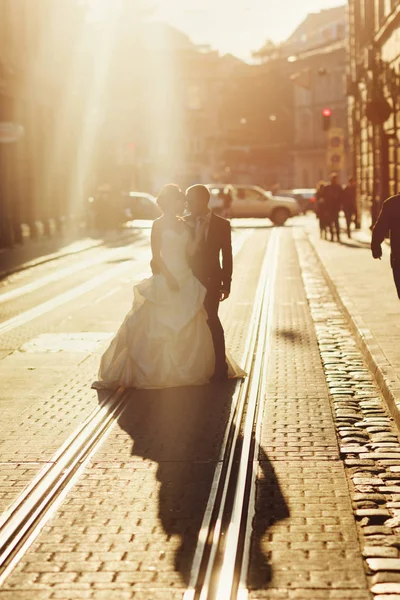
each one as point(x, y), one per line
point(239, 26)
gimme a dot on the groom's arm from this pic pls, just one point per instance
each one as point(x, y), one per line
point(227, 260)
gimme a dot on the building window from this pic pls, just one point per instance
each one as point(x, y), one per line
point(305, 178)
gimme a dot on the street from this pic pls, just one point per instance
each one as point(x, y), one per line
point(282, 486)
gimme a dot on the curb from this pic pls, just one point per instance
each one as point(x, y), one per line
point(55, 256)
point(383, 372)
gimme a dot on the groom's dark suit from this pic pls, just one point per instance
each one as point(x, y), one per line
point(215, 276)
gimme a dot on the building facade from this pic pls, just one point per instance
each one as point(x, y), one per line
point(317, 53)
point(313, 60)
point(33, 67)
point(373, 89)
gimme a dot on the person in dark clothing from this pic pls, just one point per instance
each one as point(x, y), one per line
point(321, 210)
point(206, 266)
point(227, 202)
point(350, 204)
point(333, 194)
point(388, 224)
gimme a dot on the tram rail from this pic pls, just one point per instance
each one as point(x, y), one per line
point(221, 556)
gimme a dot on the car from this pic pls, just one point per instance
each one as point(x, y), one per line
point(305, 197)
point(140, 205)
point(252, 201)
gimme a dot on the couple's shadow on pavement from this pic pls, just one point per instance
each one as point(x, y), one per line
point(182, 429)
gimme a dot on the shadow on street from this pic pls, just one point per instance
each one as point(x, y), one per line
point(291, 335)
point(182, 429)
point(356, 244)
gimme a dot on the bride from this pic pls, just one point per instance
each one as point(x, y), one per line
point(165, 340)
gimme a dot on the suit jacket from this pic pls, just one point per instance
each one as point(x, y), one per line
point(333, 193)
point(206, 262)
point(388, 223)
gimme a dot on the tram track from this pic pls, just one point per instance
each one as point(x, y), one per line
point(220, 564)
point(23, 521)
point(25, 518)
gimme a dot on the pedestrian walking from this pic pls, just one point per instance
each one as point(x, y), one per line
point(333, 194)
point(322, 210)
point(388, 224)
point(349, 205)
point(226, 202)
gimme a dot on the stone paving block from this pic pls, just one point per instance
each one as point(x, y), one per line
point(380, 552)
point(384, 564)
point(386, 588)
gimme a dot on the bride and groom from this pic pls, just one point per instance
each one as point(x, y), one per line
point(172, 336)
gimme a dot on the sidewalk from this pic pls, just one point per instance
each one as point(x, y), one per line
point(35, 252)
point(366, 291)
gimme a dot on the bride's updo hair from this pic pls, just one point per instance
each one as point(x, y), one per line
point(170, 194)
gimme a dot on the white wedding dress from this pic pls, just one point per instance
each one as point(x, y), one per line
point(164, 340)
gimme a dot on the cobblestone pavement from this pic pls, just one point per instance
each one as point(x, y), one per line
point(366, 289)
point(305, 542)
point(327, 518)
point(140, 503)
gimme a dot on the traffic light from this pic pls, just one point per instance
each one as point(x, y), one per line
point(326, 118)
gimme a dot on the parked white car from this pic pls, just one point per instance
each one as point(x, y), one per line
point(253, 201)
point(140, 205)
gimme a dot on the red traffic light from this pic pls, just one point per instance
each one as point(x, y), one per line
point(326, 118)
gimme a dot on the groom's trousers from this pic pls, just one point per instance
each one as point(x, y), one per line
point(211, 304)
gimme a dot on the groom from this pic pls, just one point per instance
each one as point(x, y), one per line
point(207, 267)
